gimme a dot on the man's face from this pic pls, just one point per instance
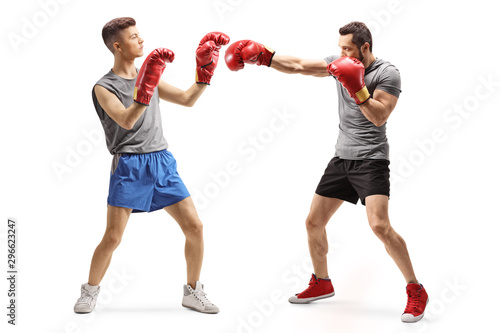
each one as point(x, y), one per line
point(348, 48)
point(131, 43)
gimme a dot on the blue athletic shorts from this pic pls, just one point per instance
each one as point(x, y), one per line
point(145, 182)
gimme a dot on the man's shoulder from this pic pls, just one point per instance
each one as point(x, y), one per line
point(109, 81)
point(108, 77)
point(385, 65)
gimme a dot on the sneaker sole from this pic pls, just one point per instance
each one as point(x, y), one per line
point(194, 309)
point(83, 311)
point(413, 319)
point(296, 300)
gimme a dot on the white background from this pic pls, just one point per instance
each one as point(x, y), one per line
point(443, 199)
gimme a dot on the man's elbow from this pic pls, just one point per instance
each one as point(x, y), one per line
point(381, 119)
point(297, 68)
point(379, 122)
point(294, 66)
point(127, 124)
point(189, 103)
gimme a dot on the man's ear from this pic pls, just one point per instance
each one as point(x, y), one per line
point(366, 46)
point(117, 46)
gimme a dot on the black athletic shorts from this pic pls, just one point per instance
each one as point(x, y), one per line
point(351, 180)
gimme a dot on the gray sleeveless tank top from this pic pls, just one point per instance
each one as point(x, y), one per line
point(147, 134)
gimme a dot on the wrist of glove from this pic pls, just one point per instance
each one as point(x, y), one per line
point(203, 76)
point(142, 97)
point(266, 56)
point(361, 96)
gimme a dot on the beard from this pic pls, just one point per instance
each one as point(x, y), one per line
point(361, 57)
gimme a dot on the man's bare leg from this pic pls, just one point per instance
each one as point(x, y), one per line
point(322, 209)
point(377, 209)
point(184, 212)
point(117, 218)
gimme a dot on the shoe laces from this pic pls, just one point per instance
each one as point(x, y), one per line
point(201, 296)
point(312, 284)
point(86, 296)
point(413, 301)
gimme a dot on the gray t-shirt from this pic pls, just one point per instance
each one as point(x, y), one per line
point(359, 138)
point(146, 135)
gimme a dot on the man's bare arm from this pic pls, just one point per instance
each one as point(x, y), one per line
point(175, 95)
point(125, 117)
point(379, 108)
point(294, 65)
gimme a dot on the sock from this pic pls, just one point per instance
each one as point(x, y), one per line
point(91, 288)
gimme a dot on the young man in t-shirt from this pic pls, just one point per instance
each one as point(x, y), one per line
point(360, 167)
point(143, 176)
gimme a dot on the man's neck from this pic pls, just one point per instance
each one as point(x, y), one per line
point(367, 61)
point(124, 68)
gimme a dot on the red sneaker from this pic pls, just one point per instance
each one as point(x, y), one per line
point(417, 301)
point(318, 289)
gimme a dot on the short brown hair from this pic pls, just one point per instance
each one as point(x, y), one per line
point(360, 34)
point(111, 30)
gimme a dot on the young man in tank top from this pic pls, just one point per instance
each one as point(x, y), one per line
point(360, 167)
point(143, 173)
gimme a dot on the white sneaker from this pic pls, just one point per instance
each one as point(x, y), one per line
point(196, 299)
point(87, 301)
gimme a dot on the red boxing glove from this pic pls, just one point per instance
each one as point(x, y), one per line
point(351, 73)
point(150, 73)
point(248, 52)
point(207, 55)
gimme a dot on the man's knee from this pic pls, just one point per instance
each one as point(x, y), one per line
point(381, 227)
point(110, 241)
point(314, 224)
point(194, 229)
